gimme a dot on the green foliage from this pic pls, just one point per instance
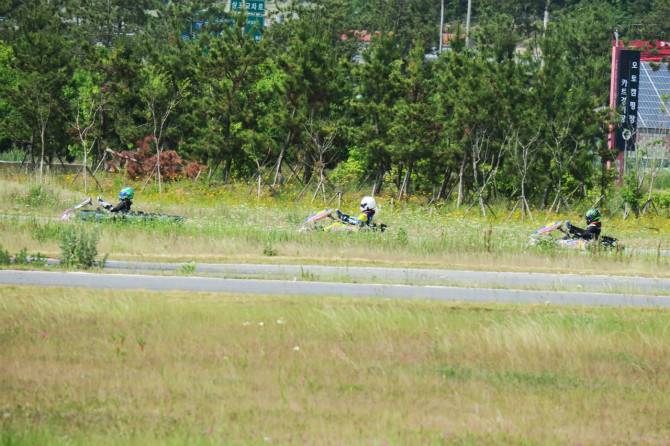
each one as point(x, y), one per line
point(631, 192)
point(187, 268)
point(661, 199)
point(4, 256)
point(662, 180)
point(77, 78)
point(79, 246)
point(14, 154)
point(348, 172)
point(41, 195)
point(21, 258)
point(402, 237)
point(270, 251)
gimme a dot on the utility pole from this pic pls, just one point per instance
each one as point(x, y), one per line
point(467, 26)
point(441, 25)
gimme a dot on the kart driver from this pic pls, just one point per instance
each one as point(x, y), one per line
point(126, 195)
point(593, 224)
point(368, 206)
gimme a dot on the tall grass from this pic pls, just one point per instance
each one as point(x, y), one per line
point(662, 180)
point(174, 368)
point(226, 223)
point(15, 155)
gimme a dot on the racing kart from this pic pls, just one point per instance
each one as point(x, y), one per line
point(555, 233)
point(326, 220)
point(100, 214)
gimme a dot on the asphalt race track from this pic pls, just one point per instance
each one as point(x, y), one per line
point(411, 276)
point(485, 286)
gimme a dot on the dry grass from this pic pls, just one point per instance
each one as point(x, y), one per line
point(227, 225)
point(110, 367)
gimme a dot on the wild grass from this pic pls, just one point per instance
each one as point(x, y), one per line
point(110, 367)
point(15, 155)
point(228, 223)
point(662, 180)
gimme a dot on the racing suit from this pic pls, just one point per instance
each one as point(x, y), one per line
point(592, 231)
point(350, 223)
point(123, 206)
point(365, 219)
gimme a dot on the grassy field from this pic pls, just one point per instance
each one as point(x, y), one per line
point(103, 367)
point(230, 224)
point(108, 367)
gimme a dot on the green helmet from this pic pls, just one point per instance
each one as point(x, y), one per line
point(126, 192)
point(592, 215)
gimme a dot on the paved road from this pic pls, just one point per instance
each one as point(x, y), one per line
point(299, 288)
point(414, 276)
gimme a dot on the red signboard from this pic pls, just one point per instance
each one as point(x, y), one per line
point(654, 51)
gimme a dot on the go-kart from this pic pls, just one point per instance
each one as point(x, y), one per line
point(547, 235)
point(100, 214)
point(327, 220)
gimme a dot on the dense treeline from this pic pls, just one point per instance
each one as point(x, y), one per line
point(315, 102)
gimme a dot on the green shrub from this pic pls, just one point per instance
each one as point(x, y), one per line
point(402, 236)
point(661, 200)
point(631, 194)
point(45, 231)
point(22, 258)
point(79, 247)
point(662, 180)
point(269, 251)
point(4, 257)
point(14, 155)
point(41, 194)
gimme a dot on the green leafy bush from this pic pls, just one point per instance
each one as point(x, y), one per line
point(4, 257)
point(661, 200)
point(21, 258)
point(79, 247)
point(631, 193)
point(270, 251)
point(40, 195)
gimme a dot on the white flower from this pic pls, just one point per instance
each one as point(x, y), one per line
point(260, 324)
point(245, 324)
point(296, 348)
point(281, 321)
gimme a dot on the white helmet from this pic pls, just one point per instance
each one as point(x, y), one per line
point(368, 204)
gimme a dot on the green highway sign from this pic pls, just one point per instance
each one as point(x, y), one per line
point(251, 6)
point(251, 21)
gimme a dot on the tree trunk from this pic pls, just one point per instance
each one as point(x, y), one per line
point(480, 197)
point(101, 153)
point(280, 159)
point(445, 183)
point(398, 180)
point(226, 169)
point(459, 201)
point(42, 138)
point(307, 173)
point(406, 181)
point(379, 179)
point(545, 198)
point(31, 146)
